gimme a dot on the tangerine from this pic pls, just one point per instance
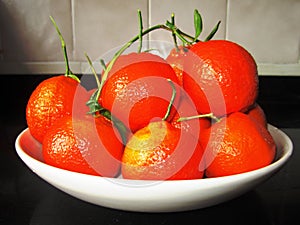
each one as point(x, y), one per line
point(236, 144)
point(258, 114)
point(86, 144)
point(221, 77)
point(184, 120)
point(137, 89)
point(160, 151)
point(176, 60)
point(52, 99)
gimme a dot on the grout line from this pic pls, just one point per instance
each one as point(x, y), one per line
point(73, 28)
point(227, 19)
point(149, 17)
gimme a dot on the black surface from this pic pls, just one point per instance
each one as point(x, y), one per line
point(27, 199)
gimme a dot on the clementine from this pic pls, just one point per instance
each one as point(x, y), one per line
point(258, 114)
point(86, 144)
point(161, 152)
point(137, 89)
point(183, 118)
point(52, 99)
point(220, 76)
point(236, 144)
point(176, 60)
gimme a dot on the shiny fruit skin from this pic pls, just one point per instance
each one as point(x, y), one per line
point(137, 90)
point(162, 152)
point(237, 144)
point(52, 99)
point(86, 145)
point(221, 77)
point(176, 60)
point(187, 109)
point(258, 114)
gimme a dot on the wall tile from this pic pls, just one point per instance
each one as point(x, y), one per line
point(211, 12)
point(269, 29)
point(27, 32)
point(103, 25)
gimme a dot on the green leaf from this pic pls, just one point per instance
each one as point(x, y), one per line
point(198, 25)
point(212, 33)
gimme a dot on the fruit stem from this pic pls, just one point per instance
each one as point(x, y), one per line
point(68, 73)
point(93, 103)
point(169, 26)
point(93, 69)
point(122, 49)
point(123, 130)
point(208, 115)
point(182, 36)
point(95, 107)
point(141, 31)
point(173, 33)
point(171, 100)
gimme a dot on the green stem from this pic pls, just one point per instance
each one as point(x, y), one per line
point(168, 27)
point(173, 34)
point(93, 103)
point(122, 49)
point(141, 31)
point(171, 100)
point(118, 123)
point(68, 73)
point(208, 115)
point(93, 69)
point(96, 107)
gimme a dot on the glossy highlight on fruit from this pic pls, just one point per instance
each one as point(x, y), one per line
point(236, 144)
point(52, 99)
point(221, 77)
point(137, 89)
point(160, 151)
point(84, 144)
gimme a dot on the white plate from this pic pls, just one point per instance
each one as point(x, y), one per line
point(150, 196)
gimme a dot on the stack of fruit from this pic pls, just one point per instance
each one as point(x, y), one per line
point(191, 115)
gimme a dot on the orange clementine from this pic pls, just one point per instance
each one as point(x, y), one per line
point(220, 76)
point(52, 99)
point(87, 145)
point(258, 114)
point(186, 110)
point(137, 89)
point(160, 151)
point(236, 144)
point(176, 60)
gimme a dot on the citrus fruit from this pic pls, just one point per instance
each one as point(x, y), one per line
point(87, 145)
point(52, 99)
point(137, 89)
point(236, 144)
point(183, 119)
point(161, 152)
point(176, 60)
point(258, 114)
point(220, 76)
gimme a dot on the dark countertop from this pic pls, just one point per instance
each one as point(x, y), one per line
point(27, 199)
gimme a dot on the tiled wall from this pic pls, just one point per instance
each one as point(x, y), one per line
point(269, 29)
